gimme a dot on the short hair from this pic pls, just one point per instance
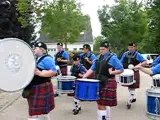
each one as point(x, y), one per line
point(41, 45)
point(59, 43)
point(105, 44)
point(76, 57)
point(87, 46)
point(132, 44)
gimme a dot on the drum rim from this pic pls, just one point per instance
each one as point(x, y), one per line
point(88, 80)
point(66, 77)
point(156, 76)
point(19, 40)
point(151, 92)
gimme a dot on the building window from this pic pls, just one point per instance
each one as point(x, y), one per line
point(80, 48)
point(75, 49)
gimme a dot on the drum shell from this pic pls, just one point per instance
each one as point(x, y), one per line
point(127, 77)
point(153, 102)
point(156, 80)
point(66, 84)
point(87, 89)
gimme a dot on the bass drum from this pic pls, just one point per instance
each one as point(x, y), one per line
point(17, 63)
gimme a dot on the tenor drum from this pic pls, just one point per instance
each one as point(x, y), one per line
point(127, 77)
point(156, 80)
point(87, 89)
point(153, 102)
point(17, 64)
point(66, 84)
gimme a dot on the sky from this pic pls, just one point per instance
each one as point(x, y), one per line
point(90, 7)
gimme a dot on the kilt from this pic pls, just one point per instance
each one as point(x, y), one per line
point(41, 100)
point(137, 79)
point(63, 70)
point(108, 94)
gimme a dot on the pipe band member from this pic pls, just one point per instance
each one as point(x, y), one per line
point(77, 70)
point(132, 56)
point(106, 67)
point(62, 58)
point(41, 98)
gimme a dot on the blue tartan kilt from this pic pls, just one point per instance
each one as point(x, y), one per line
point(41, 100)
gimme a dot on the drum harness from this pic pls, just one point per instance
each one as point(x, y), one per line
point(103, 77)
point(27, 90)
point(59, 55)
point(84, 62)
point(130, 59)
point(75, 70)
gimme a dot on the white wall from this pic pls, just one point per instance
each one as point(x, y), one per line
point(71, 47)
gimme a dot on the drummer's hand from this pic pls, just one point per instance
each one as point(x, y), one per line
point(111, 71)
point(80, 75)
point(59, 59)
point(137, 67)
point(37, 72)
point(84, 76)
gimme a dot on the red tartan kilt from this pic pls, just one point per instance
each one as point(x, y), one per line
point(137, 79)
point(108, 94)
point(63, 70)
point(42, 99)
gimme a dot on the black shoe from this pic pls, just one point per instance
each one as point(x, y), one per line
point(75, 112)
point(128, 106)
point(133, 100)
point(79, 109)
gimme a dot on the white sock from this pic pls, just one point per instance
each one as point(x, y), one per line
point(108, 113)
point(76, 103)
point(131, 95)
point(33, 118)
point(101, 114)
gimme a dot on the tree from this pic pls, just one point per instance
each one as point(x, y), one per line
point(98, 40)
point(123, 23)
point(63, 21)
point(11, 24)
point(153, 37)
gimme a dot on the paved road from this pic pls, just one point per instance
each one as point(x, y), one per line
point(17, 109)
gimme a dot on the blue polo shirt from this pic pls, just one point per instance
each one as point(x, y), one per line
point(114, 62)
point(82, 69)
point(156, 61)
point(47, 63)
point(156, 69)
point(139, 57)
point(65, 55)
point(89, 54)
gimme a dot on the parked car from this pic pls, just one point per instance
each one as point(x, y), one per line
point(150, 58)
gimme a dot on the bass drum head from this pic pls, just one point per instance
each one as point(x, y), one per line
point(17, 64)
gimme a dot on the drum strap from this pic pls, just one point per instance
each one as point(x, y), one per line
point(104, 78)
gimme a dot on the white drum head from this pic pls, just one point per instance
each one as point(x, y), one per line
point(17, 64)
point(88, 80)
point(130, 66)
point(157, 76)
point(127, 72)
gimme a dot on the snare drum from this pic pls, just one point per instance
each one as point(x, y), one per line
point(153, 102)
point(66, 84)
point(156, 80)
point(87, 89)
point(127, 77)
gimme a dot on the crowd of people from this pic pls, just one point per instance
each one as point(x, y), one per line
point(86, 65)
